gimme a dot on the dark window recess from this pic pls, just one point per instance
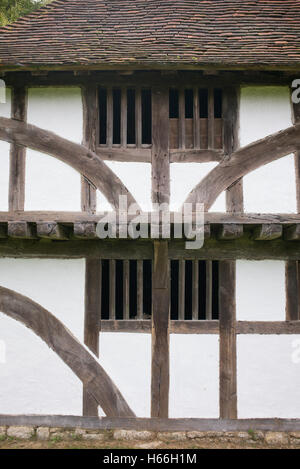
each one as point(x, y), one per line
point(102, 115)
point(146, 117)
point(203, 103)
point(189, 104)
point(147, 287)
point(147, 290)
point(131, 117)
point(218, 103)
point(188, 290)
point(173, 104)
point(117, 116)
point(105, 290)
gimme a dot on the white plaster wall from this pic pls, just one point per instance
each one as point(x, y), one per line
point(127, 359)
point(184, 177)
point(33, 378)
point(260, 290)
point(268, 377)
point(194, 376)
point(51, 184)
point(137, 179)
point(5, 111)
point(271, 188)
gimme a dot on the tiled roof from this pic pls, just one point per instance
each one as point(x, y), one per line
point(154, 33)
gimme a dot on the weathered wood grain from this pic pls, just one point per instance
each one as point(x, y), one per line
point(292, 290)
point(90, 140)
point(152, 424)
point(68, 348)
point(227, 313)
point(160, 146)
point(160, 331)
point(92, 321)
point(16, 197)
point(242, 162)
point(79, 157)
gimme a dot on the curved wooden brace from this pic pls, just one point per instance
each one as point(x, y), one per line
point(68, 348)
point(79, 157)
point(242, 162)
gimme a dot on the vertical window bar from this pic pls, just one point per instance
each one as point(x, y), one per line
point(125, 289)
point(196, 119)
point(208, 302)
point(124, 117)
point(138, 117)
point(112, 289)
point(181, 119)
point(140, 299)
point(109, 125)
point(211, 118)
point(195, 290)
point(181, 290)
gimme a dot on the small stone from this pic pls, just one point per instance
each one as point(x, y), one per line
point(56, 430)
point(195, 434)
point(43, 433)
point(276, 438)
point(133, 435)
point(93, 436)
point(79, 432)
point(149, 445)
point(172, 436)
point(2, 431)
point(24, 433)
point(295, 435)
point(243, 435)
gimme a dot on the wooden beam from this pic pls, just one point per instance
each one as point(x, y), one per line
point(230, 231)
point(292, 290)
point(152, 424)
point(160, 146)
point(77, 156)
point(242, 162)
point(181, 290)
point(50, 230)
point(228, 372)
point(160, 331)
point(68, 348)
point(268, 327)
point(234, 194)
point(268, 232)
point(127, 155)
point(85, 230)
point(90, 140)
point(126, 298)
point(16, 197)
point(210, 218)
point(292, 233)
point(112, 289)
point(92, 321)
point(140, 309)
point(195, 156)
point(21, 229)
point(211, 118)
point(195, 297)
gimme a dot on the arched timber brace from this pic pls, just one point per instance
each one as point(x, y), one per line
point(242, 162)
point(67, 347)
point(79, 157)
point(17, 155)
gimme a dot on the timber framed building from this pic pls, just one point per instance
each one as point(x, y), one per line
point(164, 101)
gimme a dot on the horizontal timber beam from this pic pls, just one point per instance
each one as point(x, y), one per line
point(151, 424)
point(204, 327)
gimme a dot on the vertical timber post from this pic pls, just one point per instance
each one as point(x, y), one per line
point(292, 270)
point(161, 274)
point(160, 332)
point(92, 319)
point(16, 197)
point(227, 270)
point(90, 135)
